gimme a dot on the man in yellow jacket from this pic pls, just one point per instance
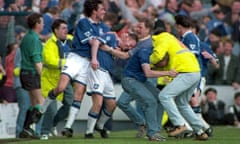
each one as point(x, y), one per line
point(182, 86)
point(54, 57)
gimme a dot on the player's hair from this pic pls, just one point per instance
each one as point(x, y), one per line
point(56, 24)
point(90, 6)
point(33, 19)
point(184, 21)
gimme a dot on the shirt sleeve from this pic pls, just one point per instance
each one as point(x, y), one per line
point(83, 32)
point(159, 51)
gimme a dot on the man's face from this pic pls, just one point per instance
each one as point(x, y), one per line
point(237, 101)
point(141, 30)
point(40, 25)
point(61, 32)
point(127, 42)
point(100, 12)
point(227, 48)
point(179, 29)
point(211, 96)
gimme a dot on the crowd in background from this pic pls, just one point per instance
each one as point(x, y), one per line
point(218, 22)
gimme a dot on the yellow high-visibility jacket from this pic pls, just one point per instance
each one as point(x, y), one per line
point(52, 64)
point(180, 58)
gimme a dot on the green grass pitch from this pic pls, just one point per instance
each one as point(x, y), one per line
point(221, 135)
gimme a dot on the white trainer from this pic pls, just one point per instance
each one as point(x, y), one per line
point(44, 137)
point(54, 131)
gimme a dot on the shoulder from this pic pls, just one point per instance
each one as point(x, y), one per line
point(83, 21)
point(144, 51)
point(70, 37)
point(236, 58)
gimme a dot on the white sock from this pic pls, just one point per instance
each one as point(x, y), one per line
point(102, 120)
point(91, 124)
point(188, 126)
point(71, 116)
point(46, 103)
point(205, 124)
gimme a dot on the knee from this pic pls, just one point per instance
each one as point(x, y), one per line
point(122, 104)
point(110, 105)
point(163, 98)
point(78, 96)
point(96, 107)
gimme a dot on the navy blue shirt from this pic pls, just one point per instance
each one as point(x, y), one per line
point(105, 59)
point(85, 31)
point(133, 68)
point(205, 47)
point(193, 43)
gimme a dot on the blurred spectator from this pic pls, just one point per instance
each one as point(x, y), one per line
point(217, 47)
point(213, 108)
point(22, 96)
point(35, 5)
point(218, 23)
point(19, 6)
point(2, 70)
point(225, 4)
point(228, 73)
point(41, 6)
point(4, 20)
point(213, 36)
point(48, 18)
point(19, 33)
point(2, 75)
point(198, 12)
point(185, 7)
point(112, 6)
point(69, 8)
point(233, 15)
point(167, 15)
point(158, 4)
point(127, 7)
point(73, 15)
point(7, 92)
point(28, 4)
point(2, 5)
point(171, 7)
point(233, 116)
point(53, 3)
point(132, 10)
point(150, 12)
point(232, 18)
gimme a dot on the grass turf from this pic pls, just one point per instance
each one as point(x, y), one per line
point(221, 135)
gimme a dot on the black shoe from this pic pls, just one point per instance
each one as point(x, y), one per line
point(209, 132)
point(67, 132)
point(103, 132)
point(188, 134)
point(89, 136)
point(28, 133)
point(36, 115)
